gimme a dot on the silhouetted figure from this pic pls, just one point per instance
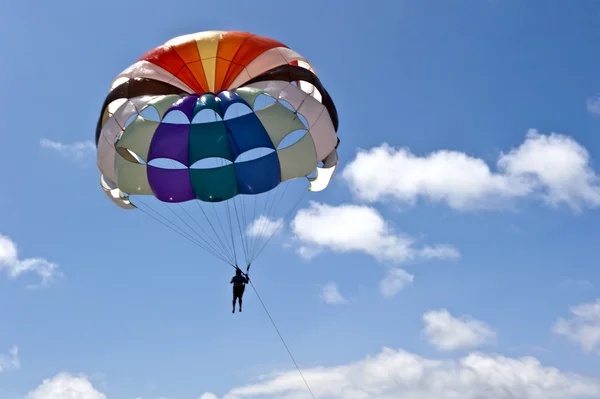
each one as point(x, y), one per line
point(239, 282)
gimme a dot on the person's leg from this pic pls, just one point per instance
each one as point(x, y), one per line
point(233, 304)
point(240, 304)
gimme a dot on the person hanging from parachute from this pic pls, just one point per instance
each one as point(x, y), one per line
point(152, 120)
point(239, 282)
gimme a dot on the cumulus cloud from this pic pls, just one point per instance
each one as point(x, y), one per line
point(263, 226)
point(583, 328)
point(10, 361)
point(393, 374)
point(554, 168)
point(389, 374)
point(448, 333)
point(15, 267)
point(331, 294)
point(356, 228)
point(394, 281)
point(556, 165)
point(77, 151)
point(66, 385)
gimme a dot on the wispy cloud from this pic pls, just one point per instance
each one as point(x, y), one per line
point(593, 105)
point(583, 328)
point(78, 151)
point(395, 281)
point(576, 283)
point(529, 348)
point(331, 294)
point(448, 333)
point(15, 267)
point(440, 251)
point(263, 226)
point(554, 168)
point(10, 361)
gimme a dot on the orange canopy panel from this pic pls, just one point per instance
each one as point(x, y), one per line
point(210, 61)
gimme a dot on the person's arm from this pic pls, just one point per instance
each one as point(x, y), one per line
point(231, 282)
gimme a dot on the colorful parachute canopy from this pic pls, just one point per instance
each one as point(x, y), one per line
point(214, 71)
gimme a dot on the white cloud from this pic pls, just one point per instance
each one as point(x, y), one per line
point(552, 167)
point(576, 283)
point(353, 228)
point(262, 226)
point(15, 267)
point(11, 361)
point(78, 151)
point(439, 252)
point(331, 294)
point(556, 165)
point(393, 374)
point(448, 333)
point(208, 396)
point(389, 374)
point(453, 177)
point(66, 386)
point(593, 105)
point(584, 326)
point(394, 281)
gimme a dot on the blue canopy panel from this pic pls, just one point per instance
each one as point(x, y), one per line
point(226, 139)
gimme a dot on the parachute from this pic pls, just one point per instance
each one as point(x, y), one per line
point(218, 135)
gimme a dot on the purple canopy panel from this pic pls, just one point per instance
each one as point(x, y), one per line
point(170, 185)
point(171, 141)
point(185, 105)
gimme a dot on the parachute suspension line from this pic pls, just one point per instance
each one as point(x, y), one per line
point(183, 234)
point(231, 231)
point(266, 214)
point(177, 229)
point(237, 216)
point(251, 284)
point(227, 207)
point(252, 232)
point(194, 230)
point(223, 228)
point(243, 227)
point(245, 224)
point(227, 249)
point(221, 248)
point(285, 220)
point(168, 223)
point(190, 227)
point(254, 239)
point(274, 206)
point(261, 228)
point(282, 340)
point(258, 245)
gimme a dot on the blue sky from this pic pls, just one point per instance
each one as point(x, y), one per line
point(461, 226)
